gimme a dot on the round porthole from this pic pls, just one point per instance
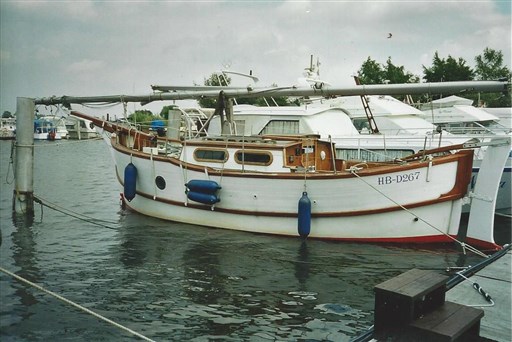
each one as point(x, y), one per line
point(160, 182)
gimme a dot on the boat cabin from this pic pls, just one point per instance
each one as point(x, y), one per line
point(262, 154)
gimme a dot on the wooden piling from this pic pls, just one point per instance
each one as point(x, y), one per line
point(23, 196)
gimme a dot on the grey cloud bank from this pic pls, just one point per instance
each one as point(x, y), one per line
point(118, 47)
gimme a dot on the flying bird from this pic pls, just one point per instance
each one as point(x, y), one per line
point(390, 35)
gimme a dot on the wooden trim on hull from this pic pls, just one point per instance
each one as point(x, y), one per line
point(458, 191)
point(466, 155)
point(444, 198)
point(426, 239)
point(484, 245)
point(294, 214)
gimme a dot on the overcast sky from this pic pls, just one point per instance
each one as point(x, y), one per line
point(86, 48)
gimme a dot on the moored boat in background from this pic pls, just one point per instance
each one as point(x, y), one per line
point(80, 128)
point(457, 115)
point(7, 128)
point(45, 129)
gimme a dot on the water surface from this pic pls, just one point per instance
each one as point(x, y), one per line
point(171, 281)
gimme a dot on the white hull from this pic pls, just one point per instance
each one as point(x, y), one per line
point(80, 129)
point(264, 205)
point(44, 136)
point(82, 135)
point(396, 226)
point(6, 134)
point(7, 128)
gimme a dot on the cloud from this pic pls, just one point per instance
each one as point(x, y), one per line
point(76, 10)
point(4, 56)
point(86, 66)
point(101, 48)
point(44, 53)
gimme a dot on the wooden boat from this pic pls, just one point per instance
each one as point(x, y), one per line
point(291, 185)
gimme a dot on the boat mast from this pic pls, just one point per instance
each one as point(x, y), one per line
point(188, 93)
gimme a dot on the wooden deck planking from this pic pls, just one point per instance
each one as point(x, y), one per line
point(496, 280)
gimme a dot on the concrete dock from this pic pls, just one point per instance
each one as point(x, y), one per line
point(496, 280)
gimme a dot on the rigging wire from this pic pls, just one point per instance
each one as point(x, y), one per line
point(462, 244)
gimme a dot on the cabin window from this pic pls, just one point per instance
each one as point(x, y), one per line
point(240, 127)
point(374, 155)
point(253, 158)
point(210, 155)
point(160, 182)
point(281, 127)
point(361, 125)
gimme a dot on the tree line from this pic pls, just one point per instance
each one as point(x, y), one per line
point(488, 66)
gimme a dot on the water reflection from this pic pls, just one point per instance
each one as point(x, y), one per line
point(302, 265)
point(24, 256)
point(133, 250)
point(205, 281)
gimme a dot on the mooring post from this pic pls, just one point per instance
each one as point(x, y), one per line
point(23, 197)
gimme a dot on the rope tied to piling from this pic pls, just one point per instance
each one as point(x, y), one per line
point(10, 167)
point(73, 214)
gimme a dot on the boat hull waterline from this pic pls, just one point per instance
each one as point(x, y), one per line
point(268, 205)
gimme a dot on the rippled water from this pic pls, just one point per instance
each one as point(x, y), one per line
point(172, 281)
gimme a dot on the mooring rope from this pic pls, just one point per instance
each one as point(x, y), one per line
point(502, 214)
point(55, 144)
point(462, 244)
point(480, 290)
point(10, 167)
point(78, 306)
point(71, 213)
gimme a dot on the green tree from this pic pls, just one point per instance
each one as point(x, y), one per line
point(397, 74)
point(214, 80)
point(489, 67)
point(143, 118)
point(372, 72)
point(6, 114)
point(446, 70)
point(164, 113)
